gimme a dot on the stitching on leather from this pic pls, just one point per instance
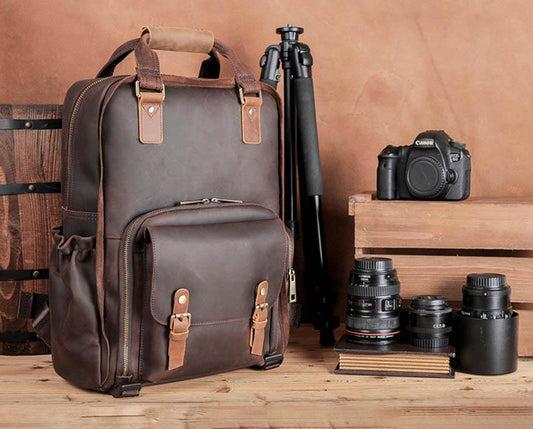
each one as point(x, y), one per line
point(80, 214)
point(145, 314)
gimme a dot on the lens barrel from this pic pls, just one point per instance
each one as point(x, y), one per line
point(373, 314)
point(487, 296)
point(486, 328)
point(429, 321)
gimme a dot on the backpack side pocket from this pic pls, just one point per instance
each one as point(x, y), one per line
point(74, 320)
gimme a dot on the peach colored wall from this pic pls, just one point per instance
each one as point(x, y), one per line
point(384, 70)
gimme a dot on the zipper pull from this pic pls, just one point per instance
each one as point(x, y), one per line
point(225, 200)
point(292, 285)
point(189, 202)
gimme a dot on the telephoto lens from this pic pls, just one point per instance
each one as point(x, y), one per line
point(486, 328)
point(487, 296)
point(373, 314)
point(429, 321)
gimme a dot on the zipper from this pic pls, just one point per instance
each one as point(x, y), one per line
point(207, 201)
point(192, 202)
point(291, 272)
point(292, 285)
point(225, 200)
point(128, 239)
point(75, 110)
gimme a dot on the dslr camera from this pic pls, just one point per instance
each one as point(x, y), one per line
point(434, 167)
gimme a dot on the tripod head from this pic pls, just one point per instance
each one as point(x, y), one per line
point(289, 38)
point(280, 53)
point(290, 32)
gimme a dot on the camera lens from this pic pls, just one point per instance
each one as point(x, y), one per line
point(429, 321)
point(486, 328)
point(487, 296)
point(373, 314)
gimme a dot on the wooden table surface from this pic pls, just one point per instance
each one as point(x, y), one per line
point(303, 392)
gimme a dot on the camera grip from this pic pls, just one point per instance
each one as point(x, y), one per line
point(386, 177)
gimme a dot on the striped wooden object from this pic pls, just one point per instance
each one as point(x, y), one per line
point(29, 157)
point(435, 244)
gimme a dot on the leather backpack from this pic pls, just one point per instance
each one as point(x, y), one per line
point(172, 259)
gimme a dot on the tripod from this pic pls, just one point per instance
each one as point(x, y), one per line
point(303, 173)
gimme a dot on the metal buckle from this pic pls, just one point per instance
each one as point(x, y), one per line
point(126, 390)
point(138, 90)
point(242, 99)
point(272, 361)
point(180, 317)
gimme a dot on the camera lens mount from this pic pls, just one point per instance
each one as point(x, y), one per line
point(425, 177)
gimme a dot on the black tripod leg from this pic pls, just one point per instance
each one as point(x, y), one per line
point(316, 278)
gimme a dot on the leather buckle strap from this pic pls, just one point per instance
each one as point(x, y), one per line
point(250, 117)
point(150, 112)
point(259, 319)
point(180, 322)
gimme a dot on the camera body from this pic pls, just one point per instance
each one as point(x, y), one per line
point(434, 167)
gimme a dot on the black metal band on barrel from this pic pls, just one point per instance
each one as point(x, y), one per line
point(30, 124)
point(30, 188)
point(16, 275)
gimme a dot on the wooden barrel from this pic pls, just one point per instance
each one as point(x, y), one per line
point(30, 204)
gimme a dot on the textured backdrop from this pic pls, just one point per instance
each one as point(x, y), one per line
point(384, 70)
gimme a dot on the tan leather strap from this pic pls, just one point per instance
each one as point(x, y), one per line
point(251, 120)
point(179, 39)
point(259, 319)
point(180, 322)
point(150, 109)
point(116, 57)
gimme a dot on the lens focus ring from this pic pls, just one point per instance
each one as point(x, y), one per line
point(371, 324)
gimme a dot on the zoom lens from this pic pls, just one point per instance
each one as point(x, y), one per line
point(373, 314)
point(429, 321)
point(487, 296)
point(486, 328)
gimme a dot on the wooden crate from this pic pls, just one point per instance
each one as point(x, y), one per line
point(435, 244)
point(30, 155)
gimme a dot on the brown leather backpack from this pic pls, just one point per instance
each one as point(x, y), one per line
point(172, 261)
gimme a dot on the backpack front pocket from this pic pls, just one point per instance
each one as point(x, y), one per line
point(211, 278)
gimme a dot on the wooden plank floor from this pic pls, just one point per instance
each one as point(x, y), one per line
point(303, 392)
